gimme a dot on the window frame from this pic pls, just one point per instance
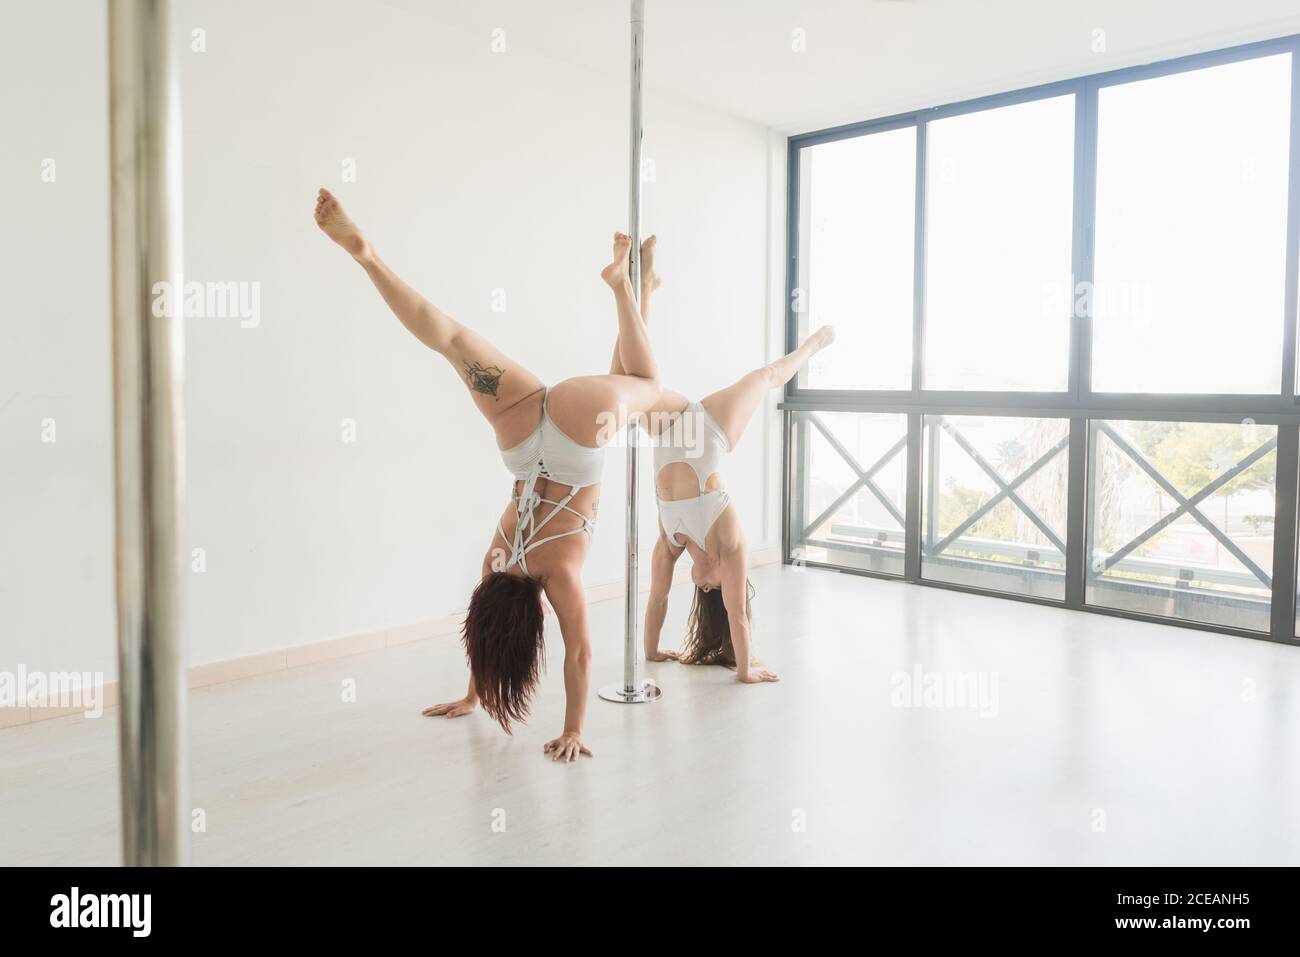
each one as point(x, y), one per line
point(1078, 402)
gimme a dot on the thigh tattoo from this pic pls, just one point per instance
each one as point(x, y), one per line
point(484, 379)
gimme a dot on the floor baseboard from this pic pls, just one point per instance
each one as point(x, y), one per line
point(233, 669)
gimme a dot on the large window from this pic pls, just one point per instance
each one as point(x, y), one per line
point(1065, 367)
point(994, 513)
point(859, 222)
point(1182, 520)
point(852, 495)
point(1191, 230)
point(997, 247)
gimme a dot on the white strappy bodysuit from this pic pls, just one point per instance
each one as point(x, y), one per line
point(550, 454)
point(697, 440)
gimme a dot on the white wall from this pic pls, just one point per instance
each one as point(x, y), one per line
point(56, 499)
point(475, 172)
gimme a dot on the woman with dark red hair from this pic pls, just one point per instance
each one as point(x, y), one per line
point(551, 440)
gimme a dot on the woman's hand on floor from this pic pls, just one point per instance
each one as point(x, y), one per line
point(663, 656)
point(757, 676)
point(567, 747)
point(452, 709)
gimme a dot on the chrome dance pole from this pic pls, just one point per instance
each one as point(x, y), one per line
point(633, 689)
point(145, 176)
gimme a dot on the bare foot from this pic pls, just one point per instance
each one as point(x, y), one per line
point(820, 339)
point(650, 280)
point(615, 274)
point(338, 226)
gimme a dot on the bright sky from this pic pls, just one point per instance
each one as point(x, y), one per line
point(1190, 244)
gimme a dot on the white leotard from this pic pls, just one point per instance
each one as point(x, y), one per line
point(694, 439)
point(550, 454)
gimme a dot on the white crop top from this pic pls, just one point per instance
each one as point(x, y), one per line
point(550, 454)
point(557, 456)
point(694, 439)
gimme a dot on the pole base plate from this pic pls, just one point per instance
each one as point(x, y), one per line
point(646, 691)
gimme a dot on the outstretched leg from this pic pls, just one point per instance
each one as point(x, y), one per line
point(633, 352)
point(650, 281)
point(668, 401)
point(496, 383)
point(734, 406)
point(591, 409)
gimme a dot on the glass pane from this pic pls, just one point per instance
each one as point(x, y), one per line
point(999, 208)
point(1191, 231)
point(1181, 520)
point(858, 218)
point(853, 482)
point(995, 503)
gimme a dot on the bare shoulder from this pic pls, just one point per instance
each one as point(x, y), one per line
point(564, 589)
point(565, 592)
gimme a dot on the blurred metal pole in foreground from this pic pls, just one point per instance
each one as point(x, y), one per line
point(145, 160)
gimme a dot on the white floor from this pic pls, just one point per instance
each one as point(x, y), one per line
point(1107, 742)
